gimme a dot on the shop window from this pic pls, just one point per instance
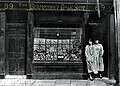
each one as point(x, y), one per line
point(57, 44)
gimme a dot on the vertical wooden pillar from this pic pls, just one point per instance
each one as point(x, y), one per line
point(84, 21)
point(117, 34)
point(2, 44)
point(111, 49)
point(29, 43)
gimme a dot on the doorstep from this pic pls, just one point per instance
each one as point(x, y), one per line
point(2, 76)
point(15, 77)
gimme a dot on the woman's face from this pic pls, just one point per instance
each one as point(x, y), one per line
point(90, 42)
point(96, 41)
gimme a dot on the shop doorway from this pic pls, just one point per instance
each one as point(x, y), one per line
point(15, 49)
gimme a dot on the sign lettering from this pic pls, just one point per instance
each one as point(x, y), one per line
point(54, 7)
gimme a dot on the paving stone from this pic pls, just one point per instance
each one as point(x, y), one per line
point(95, 83)
point(62, 85)
point(28, 84)
point(63, 81)
point(29, 81)
point(57, 82)
point(73, 84)
point(39, 83)
point(47, 81)
point(20, 81)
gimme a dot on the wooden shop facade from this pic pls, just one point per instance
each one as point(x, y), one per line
point(46, 39)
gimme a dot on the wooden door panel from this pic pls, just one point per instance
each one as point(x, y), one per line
point(15, 50)
point(16, 55)
point(16, 66)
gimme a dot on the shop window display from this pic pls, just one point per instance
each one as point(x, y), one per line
point(54, 45)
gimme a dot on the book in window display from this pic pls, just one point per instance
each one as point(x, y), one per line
point(48, 41)
point(66, 41)
point(41, 41)
point(60, 41)
point(53, 41)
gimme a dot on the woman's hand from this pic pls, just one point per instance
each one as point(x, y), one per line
point(89, 60)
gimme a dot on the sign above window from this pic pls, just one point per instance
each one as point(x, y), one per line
point(49, 6)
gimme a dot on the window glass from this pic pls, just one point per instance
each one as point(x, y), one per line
point(57, 44)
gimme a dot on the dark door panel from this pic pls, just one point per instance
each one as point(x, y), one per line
point(15, 49)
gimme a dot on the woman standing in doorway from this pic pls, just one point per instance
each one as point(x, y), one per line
point(99, 57)
point(89, 53)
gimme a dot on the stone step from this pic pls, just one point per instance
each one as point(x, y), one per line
point(15, 77)
point(55, 82)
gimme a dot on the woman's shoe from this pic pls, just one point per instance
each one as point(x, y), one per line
point(91, 78)
point(95, 75)
point(101, 76)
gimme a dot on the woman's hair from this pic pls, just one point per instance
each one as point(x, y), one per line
point(90, 40)
point(97, 40)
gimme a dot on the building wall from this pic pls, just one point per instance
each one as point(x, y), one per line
point(19, 25)
point(117, 38)
point(2, 44)
point(17, 38)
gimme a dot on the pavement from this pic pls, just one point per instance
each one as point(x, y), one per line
point(54, 82)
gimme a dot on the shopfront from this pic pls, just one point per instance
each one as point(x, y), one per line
point(47, 40)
